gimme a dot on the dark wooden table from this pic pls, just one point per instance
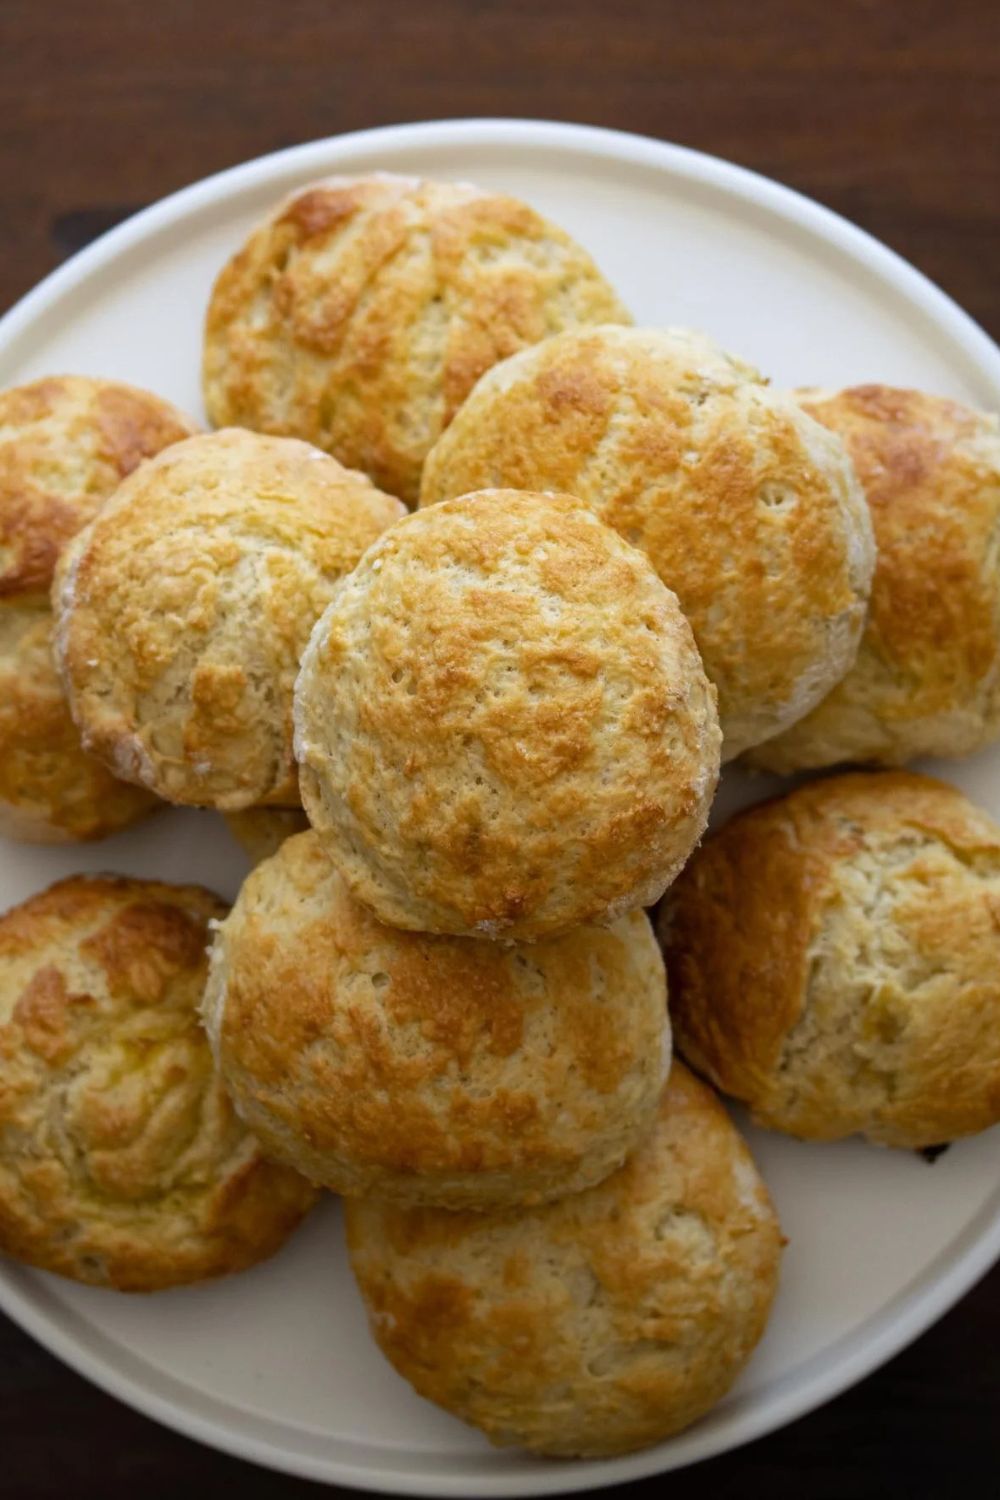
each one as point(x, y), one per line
point(887, 110)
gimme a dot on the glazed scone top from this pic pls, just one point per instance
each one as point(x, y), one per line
point(833, 958)
point(749, 510)
point(592, 1326)
point(66, 443)
point(121, 1159)
point(431, 1069)
point(927, 676)
point(502, 722)
point(185, 606)
point(362, 313)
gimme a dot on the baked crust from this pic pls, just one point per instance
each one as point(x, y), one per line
point(184, 607)
point(431, 1069)
point(834, 957)
point(502, 722)
point(926, 680)
point(122, 1162)
point(361, 314)
point(748, 510)
point(593, 1326)
point(66, 443)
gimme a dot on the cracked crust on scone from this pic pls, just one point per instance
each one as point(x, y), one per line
point(51, 790)
point(502, 722)
point(66, 443)
point(926, 680)
point(432, 1070)
point(122, 1162)
point(594, 1326)
point(748, 509)
point(361, 314)
point(184, 607)
point(834, 958)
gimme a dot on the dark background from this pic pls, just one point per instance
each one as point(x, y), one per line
point(886, 110)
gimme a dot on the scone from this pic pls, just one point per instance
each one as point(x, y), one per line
point(66, 443)
point(361, 314)
point(122, 1162)
point(748, 509)
point(184, 607)
point(927, 676)
point(431, 1070)
point(596, 1325)
point(261, 831)
point(834, 961)
point(502, 722)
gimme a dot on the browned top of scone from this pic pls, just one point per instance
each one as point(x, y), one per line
point(502, 722)
point(122, 1162)
point(51, 790)
point(66, 442)
point(360, 315)
point(927, 676)
point(437, 1067)
point(747, 509)
point(591, 1326)
point(833, 959)
point(921, 481)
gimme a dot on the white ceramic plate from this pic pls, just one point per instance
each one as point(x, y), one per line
point(277, 1365)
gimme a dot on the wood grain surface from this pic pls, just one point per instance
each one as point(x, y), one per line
point(886, 110)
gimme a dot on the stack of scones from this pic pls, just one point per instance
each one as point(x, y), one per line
point(455, 614)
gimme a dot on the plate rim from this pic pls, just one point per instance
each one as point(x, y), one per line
point(905, 1316)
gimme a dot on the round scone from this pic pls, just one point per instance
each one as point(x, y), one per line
point(593, 1326)
point(834, 961)
point(747, 508)
point(361, 314)
point(261, 831)
point(184, 607)
point(926, 680)
point(66, 443)
point(122, 1162)
point(431, 1070)
point(502, 722)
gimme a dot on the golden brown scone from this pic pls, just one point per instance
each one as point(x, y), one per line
point(502, 722)
point(596, 1325)
point(748, 510)
point(184, 607)
point(834, 960)
point(927, 676)
point(122, 1162)
point(363, 312)
point(261, 831)
point(66, 443)
point(51, 790)
point(431, 1070)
